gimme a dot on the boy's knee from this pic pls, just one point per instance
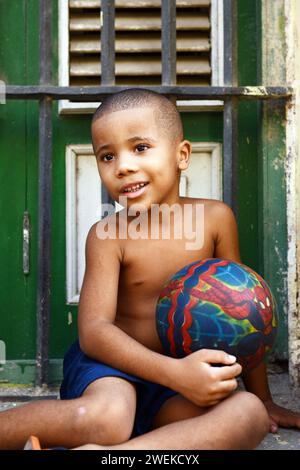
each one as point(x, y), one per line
point(254, 411)
point(118, 421)
point(104, 422)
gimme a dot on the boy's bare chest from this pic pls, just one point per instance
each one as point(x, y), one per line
point(148, 264)
point(146, 268)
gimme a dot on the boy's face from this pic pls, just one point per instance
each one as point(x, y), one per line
point(138, 160)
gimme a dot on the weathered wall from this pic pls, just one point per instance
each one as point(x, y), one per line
point(272, 170)
point(281, 66)
point(292, 29)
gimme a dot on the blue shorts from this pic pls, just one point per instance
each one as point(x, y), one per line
point(80, 371)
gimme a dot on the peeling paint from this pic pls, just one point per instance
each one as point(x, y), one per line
point(277, 163)
point(255, 91)
point(273, 163)
point(292, 30)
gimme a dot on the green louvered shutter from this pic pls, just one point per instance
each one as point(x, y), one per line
point(138, 42)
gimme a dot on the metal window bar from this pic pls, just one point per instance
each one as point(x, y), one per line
point(108, 42)
point(86, 94)
point(230, 113)
point(46, 93)
point(107, 59)
point(168, 41)
point(45, 194)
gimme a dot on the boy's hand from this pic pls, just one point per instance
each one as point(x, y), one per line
point(280, 416)
point(200, 382)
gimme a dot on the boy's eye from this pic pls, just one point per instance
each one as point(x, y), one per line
point(142, 147)
point(107, 158)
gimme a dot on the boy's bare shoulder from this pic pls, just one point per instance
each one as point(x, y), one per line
point(213, 207)
point(217, 208)
point(218, 216)
point(220, 223)
point(98, 241)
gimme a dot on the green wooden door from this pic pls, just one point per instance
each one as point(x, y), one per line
point(19, 184)
point(18, 144)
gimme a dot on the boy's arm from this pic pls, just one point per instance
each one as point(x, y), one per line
point(225, 232)
point(256, 381)
point(98, 336)
point(102, 340)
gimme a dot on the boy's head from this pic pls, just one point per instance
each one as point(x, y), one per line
point(167, 117)
point(138, 142)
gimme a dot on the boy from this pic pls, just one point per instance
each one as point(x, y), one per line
point(122, 391)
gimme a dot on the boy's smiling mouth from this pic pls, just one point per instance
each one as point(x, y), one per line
point(134, 190)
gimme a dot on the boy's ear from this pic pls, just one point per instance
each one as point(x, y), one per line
point(184, 152)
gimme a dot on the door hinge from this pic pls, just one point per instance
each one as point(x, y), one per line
point(26, 235)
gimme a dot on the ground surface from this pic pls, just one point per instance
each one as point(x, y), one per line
point(283, 395)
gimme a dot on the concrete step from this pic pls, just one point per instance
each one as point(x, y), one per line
point(283, 395)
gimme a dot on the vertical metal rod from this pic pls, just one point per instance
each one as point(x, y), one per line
point(108, 42)
point(230, 144)
point(230, 43)
point(168, 41)
point(230, 135)
point(45, 191)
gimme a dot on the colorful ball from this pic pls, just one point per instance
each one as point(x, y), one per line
point(217, 304)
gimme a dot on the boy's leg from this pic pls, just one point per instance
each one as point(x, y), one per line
point(104, 414)
point(238, 422)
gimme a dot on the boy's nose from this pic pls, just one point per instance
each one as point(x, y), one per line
point(125, 165)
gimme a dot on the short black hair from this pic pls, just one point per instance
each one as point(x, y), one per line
point(168, 118)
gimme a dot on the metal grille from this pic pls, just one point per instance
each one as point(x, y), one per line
point(46, 93)
point(138, 42)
